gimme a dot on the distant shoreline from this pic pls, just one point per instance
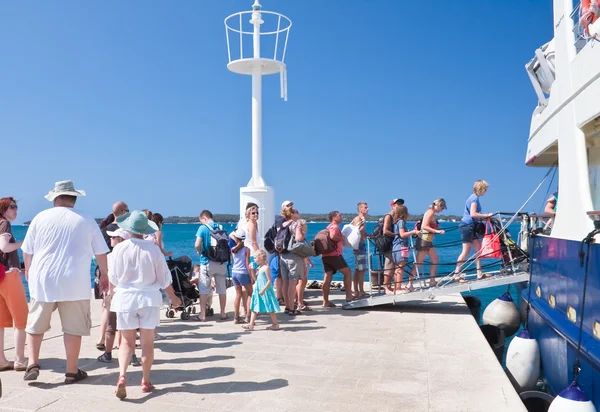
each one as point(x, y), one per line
point(309, 217)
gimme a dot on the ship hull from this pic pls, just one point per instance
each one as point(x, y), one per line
point(556, 294)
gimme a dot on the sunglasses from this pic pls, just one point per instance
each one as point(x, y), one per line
point(13, 207)
point(254, 213)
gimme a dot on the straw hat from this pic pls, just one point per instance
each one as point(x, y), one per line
point(64, 187)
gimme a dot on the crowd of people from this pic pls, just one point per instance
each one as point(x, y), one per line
point(129, 250)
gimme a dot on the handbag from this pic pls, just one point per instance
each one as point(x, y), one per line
point(490, 246)
point(302, 249)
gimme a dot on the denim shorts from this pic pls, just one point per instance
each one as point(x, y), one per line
point(240, 279)
point(467, 232)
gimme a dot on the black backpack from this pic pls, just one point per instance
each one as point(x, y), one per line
point(283, 238)
point(269, 240)
point(383, 243)
point(218, 249)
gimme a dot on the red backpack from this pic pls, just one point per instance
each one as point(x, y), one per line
point(323, 242)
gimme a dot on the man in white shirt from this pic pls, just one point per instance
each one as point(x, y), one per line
point(57, 251)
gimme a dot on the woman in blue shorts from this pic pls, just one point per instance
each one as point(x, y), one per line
point(468, 233)
point(241, 275)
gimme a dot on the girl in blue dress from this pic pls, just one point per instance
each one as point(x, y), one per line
point(263, 295)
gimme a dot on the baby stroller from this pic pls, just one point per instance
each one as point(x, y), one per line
point(513, 257)
point(181, 269)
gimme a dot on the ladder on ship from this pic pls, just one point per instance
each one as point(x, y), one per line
point(424, 293)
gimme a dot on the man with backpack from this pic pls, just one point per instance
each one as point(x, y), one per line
point(212, 244)
point(333, 261)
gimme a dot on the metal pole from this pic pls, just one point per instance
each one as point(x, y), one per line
point(256, 101)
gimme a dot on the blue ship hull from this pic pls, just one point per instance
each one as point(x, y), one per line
point(558, 277)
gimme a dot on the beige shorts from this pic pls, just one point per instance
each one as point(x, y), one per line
point(75, 317)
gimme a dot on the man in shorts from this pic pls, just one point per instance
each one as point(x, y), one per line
point(360, 254)
point(57, 251)
point(334, 261)
point(209, 269)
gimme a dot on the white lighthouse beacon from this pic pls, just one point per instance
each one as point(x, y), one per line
point(240, 28)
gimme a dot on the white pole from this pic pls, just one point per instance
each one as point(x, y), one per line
point(256, 102)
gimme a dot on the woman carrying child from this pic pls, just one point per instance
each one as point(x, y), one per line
point(241, 276)
point(429, 228)
point(263, 296)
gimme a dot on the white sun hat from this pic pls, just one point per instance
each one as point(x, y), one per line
point(64, 187)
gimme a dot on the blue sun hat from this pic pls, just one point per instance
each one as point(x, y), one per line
point(137, 223)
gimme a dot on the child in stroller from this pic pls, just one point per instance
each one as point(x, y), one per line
point(184, 289)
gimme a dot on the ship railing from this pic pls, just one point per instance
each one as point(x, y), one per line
point(541, 223)
point(579, 34)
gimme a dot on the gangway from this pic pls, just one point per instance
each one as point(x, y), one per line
point(422, 293)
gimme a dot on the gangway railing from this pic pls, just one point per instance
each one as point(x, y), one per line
point(426, 294)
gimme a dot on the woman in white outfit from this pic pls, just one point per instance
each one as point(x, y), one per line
point(137, 272)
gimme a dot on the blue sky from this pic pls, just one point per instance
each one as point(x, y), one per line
point(133, 100)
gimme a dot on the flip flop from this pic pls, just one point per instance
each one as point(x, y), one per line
point(225, 317)
point(329, 305)
point(484, 276)
point(273, 327)
point(8, 366)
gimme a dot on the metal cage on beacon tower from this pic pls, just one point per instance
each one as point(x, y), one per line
point(257, 42)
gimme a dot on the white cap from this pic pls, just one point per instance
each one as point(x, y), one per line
point(119, 232)
point(286, 203)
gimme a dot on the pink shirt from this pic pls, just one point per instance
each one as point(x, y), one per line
point(334, 230)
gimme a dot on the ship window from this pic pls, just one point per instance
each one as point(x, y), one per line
point(572, 314)
point(538, 292)
point(552, 301)
point(597, 330)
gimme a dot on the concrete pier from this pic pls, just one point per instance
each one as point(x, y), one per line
point(424, 357)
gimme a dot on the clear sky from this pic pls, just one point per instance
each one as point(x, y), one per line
point(132, 100)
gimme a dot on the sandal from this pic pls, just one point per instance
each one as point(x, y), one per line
point(32, 372)
point(273, 327)
point(432, 283)
point(248, 327)
point(147, 387)
point(484, 276)
point(101, 347)
point(20, 366)
point(71, 378)
point(238, 320)
point(8, 366)
point(281, 302)
point(134, 361)
point(104, 358)
point(225, 317)
point(304, 308)
point(121, 391)
point(329, 305)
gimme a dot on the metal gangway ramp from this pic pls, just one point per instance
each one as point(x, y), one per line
point(514, 269)
point(422, 292)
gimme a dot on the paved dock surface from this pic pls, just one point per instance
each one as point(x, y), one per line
point(418, 357)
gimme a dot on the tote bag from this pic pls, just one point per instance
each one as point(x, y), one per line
point(490, 246)
point(352, 236)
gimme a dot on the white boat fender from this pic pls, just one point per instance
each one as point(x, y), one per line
point(503, 313)
point(523, 360)
point(572, 399)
